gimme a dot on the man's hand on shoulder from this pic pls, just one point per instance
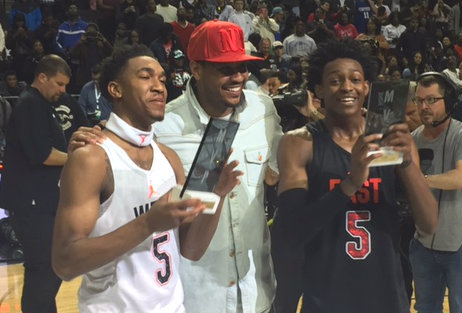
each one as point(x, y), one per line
point(84, 136)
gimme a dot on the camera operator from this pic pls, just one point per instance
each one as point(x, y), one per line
point(296, 108)
point(91, 49)
point(293, 102)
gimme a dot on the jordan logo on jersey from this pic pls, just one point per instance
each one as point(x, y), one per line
point(142, 138)
point(151, 191)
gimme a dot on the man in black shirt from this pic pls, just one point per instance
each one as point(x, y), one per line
point(149, 24)
point(35, 153)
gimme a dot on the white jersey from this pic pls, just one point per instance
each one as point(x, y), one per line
point(145, 279)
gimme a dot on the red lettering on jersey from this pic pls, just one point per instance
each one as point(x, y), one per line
point(334, 182)
point(375, 188)
point(363, 195)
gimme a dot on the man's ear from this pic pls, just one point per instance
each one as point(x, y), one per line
point(366, 87)
point(42, 78)
point(196, 69)
point(114, 90)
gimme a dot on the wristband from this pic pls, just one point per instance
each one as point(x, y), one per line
point(302, 218)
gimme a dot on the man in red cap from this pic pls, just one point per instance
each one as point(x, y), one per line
point(236, 273)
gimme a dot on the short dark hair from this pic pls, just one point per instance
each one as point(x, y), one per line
point(338, 49)
point(114, 65)
point(51, 64)
point(428, 80)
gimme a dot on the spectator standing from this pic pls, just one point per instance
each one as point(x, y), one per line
point(223, 10)
point(95, 106)
point(279, 17)
point(202, 11)
point(347, 6)
point(182, 28)
point(91, 49)
point(411, 40)
point(19, 40)
point(299, 43)
point(442, 13)
point(325, 8)
point(320, 29)
point(149, 24)
point(167, 11)
point(307, 7)
point(393, 30)
point(46, 33)
point(31, 11)
point(381, 10)
point(235, 273)
point(127, 12)
point(361, 15)
point(265, 25)
point(106, 19)
point(28, 69)
point(242, 18)
point(70, 31)
point(35, 153)
point(437, 259)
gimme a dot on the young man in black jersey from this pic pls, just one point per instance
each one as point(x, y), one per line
point(340, 211)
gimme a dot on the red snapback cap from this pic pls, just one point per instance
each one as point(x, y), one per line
point(219, 42)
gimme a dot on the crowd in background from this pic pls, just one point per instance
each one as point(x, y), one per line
point(407, 37)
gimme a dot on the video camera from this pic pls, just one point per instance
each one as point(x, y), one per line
point(297, 98)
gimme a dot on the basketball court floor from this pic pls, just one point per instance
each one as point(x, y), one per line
point(11, 280)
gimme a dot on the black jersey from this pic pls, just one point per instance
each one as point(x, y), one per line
point(352, 264)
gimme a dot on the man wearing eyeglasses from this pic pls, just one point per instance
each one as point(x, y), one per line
point(437, 259)
point(236, 273)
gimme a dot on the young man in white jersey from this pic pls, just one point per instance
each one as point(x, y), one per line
point(115, 223)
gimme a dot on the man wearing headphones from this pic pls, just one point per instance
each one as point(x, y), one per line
point(437, 259)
